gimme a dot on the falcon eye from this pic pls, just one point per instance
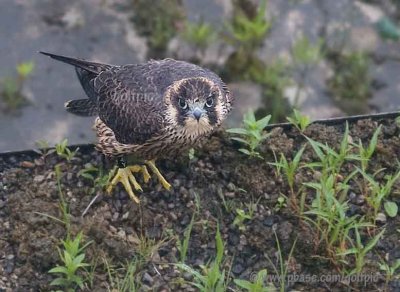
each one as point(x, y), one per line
point(182, 103)
point(209, 102)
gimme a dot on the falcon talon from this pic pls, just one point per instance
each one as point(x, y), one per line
point(153, 110)
point(160, 177)
point(125, 176)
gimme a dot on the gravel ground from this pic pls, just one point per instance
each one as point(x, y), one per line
point(120, 228)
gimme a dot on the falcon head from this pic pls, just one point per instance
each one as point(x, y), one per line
point(197, 105)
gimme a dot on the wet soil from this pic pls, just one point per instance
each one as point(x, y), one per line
point(118, 228)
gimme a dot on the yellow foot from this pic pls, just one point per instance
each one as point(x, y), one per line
point(126, 177)
point(163, 181)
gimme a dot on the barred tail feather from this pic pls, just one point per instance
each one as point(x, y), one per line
point(81, 107)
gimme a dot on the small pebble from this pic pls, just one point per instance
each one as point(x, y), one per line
point(27, 164)
point(237, 269)
point(360, 200)
point(185, 220)
point(38, 178)
point(187, 276)
point(352, 195)
point(269, 221)
point(381, 218)
point(231, 187)
point(122, 233)
point(173, 216)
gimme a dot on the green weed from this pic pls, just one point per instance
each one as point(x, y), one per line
point(249, 32)
point(359, 251)
point(331, 161)
point(252, 133)
point(256, 286)
point(301, 122)
point(365, 154)
point(351, 83)
point(126, 283)
point(11, 87)
point(391, 271)
point(283, 267)
point(280, 203)
point(97, 176)
point(376, 192)
point(72, 258)
point(241, 216)
point(305, 55)
point(331, 219)
point(200, 35)
point(183, 246)
point(157, 20)
point(391, 208)
point(212, 278)
point(63, 151)
point(289, 168)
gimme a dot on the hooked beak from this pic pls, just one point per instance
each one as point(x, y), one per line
point(197, 113)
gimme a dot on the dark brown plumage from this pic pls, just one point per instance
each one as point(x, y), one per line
point(149, 108)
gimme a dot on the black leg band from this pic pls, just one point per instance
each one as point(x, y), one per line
point(121, 162)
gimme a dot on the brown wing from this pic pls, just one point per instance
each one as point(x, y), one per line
point(131, 97)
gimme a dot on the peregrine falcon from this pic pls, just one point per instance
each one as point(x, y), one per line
point(151, 110)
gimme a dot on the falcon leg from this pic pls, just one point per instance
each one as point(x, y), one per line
point(125, 176)
point(153, 167)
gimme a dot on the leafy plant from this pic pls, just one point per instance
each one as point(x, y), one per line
point(252, 133)
point(289, 168)
point(72, 258)
point(212, 277)
point(305, 55)
point(378, 192)
point(390, 270)
point(360, 251)
point(183, 245)
point(274, 77)
point(247, 31)
point(11, 87)
point(241, 216)
point(283, 267)
point(63, 151)
point(365, 154)
point(126, 283)
point(331, 219)
point(25, 69)
point(351, 83)
point(43, 149)
point(146, 248)
point(257, 285)
point(157, 20)
point(200, 35)
point(229, 205)
point(301, 122)
point(331, 161)
point(99, 178)
point(192, 154)
point(391, 208)
point(280, 203)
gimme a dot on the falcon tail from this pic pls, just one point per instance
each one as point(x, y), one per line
point(92, 67)
point(81, 107)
